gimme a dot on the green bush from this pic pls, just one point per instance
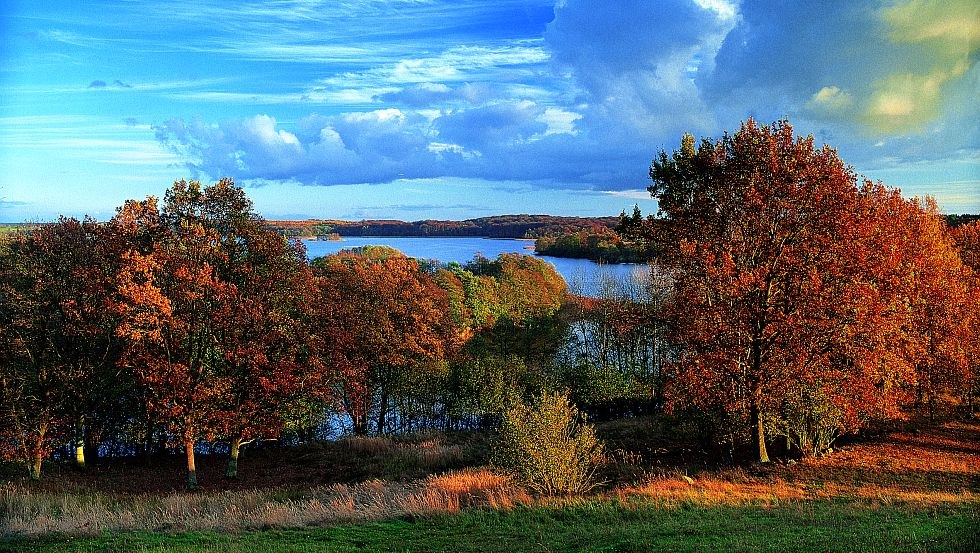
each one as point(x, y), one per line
point(810, 419)
point(549, 446)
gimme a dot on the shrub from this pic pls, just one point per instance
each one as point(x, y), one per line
point(549, 446)
point(811, 420)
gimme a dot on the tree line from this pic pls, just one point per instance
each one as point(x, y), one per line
point(191, 322)
point(788, 298)
point(498, 226)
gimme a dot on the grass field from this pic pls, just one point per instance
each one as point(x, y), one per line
point(916, 490)
point(590, 526)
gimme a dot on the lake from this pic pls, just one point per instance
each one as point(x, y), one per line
point(583, 276)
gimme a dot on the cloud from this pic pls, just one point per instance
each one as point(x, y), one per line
point(102, 85)
point(428, 94)
point(502, 141)
point(593, 99)
point(831, 100)
point(872, 70)
point(493, 126)
point(942, 38)
point(637, 62)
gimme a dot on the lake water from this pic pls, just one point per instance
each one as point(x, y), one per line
point(583, 276)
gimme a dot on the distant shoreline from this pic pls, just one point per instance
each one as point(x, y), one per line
point(387, 236)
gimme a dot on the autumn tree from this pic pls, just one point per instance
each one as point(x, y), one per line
point(396, 327)
point(967, 239)
point(766, 243)
point(212, 307)
point(271, 356)
point(941, 308)
point(169, 298)
point(57, 344)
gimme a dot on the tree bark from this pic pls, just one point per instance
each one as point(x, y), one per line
point(80, 444)
point(382, 412)
point(191, 468)
point(80, 452)
point(34, 466)
point(91, 445)
point(231, 471)
point(759, 429)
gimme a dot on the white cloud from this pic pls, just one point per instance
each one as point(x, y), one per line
point(607, 87)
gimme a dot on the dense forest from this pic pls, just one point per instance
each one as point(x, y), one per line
point(787, 299)
point(500, 226)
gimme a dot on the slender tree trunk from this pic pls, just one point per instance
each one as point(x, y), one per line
point(80, 443)
point(91, 445)
point(382, 412)
point(757, 420)
point(231, 471)
point(759, 429)
point(34, 466)
point(191, 468)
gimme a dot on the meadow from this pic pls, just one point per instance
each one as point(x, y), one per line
point(915, 488)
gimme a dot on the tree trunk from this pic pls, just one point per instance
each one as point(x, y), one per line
point(758, 425)
point(34, 466)
point(80, 452)
point(382, 412)
point(757, 420)
point(191, 468)
point(759, 429)
point(231, 471)
point(80, 444)
point(91, 445)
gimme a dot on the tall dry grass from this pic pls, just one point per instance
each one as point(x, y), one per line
point(25, 512)
point(424, 453)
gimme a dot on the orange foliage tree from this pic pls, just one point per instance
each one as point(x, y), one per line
point(769, 242)
point(213, 310)
point(394, 323)
point(169, 298)
point(967, 240)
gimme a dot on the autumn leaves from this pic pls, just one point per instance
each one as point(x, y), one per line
point(805, 303)
point(191, 321)
point(788, 299)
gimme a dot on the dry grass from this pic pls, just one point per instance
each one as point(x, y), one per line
point(934, 467)
point(25, 512)
point(931, 467)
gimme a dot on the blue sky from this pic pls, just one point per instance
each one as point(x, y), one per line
point(416, 109)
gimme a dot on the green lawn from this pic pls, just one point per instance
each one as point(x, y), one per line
point(591, 526)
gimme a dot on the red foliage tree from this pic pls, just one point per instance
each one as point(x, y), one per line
point(769, 242)
point(214, 311)
point(271, 356)
point(57, 349)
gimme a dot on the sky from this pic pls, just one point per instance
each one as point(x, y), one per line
point(453, 109)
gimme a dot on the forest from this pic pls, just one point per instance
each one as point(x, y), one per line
point(790, 304)
point(499, 226)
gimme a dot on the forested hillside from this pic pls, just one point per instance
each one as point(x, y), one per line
point(500, 226)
